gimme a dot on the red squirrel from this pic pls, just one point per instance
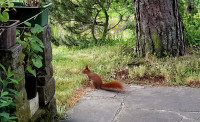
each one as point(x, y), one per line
point(98, 84)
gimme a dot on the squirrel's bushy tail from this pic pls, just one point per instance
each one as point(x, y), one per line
point(113, 86)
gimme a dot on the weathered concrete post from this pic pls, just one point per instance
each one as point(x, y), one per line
point(11, 57)
point(42, 108)
point(46, 82)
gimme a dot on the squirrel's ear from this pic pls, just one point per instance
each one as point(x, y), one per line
point(86, 66)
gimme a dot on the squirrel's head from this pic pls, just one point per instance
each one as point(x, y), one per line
point(86, 70)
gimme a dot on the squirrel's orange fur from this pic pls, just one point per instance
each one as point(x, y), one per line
point(98, 84)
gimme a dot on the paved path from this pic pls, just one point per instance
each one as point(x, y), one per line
point(138, 104)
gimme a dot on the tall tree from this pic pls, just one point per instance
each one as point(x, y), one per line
point(159, 28)
point(86, 18)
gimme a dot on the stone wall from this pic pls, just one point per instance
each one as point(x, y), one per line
point(42, 108)
point(11, 57)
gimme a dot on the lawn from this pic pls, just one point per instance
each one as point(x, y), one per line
point(111, 64)
point(68, 64)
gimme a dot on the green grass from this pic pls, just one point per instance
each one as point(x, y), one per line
point(170, 71)
point(68, 64)
point(110, 64)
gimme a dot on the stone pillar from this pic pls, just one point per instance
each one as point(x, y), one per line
point(34, 110)
point(12, 57)
point(46, 82)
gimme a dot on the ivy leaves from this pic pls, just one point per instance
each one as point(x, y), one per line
point(32, 48)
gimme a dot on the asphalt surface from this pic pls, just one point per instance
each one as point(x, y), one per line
point(138, 104)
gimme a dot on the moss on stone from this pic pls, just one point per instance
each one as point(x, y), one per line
point(21, 57)
point(46, 113)
point(23, 113)
point(21, 99)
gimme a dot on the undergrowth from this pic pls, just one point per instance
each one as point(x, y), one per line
point(170, 71)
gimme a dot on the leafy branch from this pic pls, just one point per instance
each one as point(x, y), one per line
point(32, 46)
point(7, 94)
point(4, 8)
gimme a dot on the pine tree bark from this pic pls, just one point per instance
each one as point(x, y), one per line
point(159, 28)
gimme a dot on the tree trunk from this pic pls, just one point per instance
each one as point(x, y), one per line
point(93, 27)
point(106, 24)
point(159, 28)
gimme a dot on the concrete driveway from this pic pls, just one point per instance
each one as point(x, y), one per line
point(138, 104)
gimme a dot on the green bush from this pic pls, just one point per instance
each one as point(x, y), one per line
point(32, 47)
point(7, 94)
point(191, 23)
point(192, 29)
